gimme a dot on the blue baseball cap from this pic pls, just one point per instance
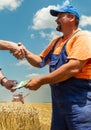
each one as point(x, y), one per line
point(68, 8)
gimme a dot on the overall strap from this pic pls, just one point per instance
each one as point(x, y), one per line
point(55, 44)
point(51, 51)
point(64, 43)
point(48, 55)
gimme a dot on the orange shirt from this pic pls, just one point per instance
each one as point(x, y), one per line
point(78, 47)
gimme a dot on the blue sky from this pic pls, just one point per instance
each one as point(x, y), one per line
point(29, 22)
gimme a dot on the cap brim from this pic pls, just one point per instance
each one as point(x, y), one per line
point(54, 12)
point(69, 9)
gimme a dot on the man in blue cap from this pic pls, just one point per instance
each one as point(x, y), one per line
point(69, 59)
point(66, 9)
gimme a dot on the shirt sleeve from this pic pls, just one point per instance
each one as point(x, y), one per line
point(45, 52)
point(81, 48)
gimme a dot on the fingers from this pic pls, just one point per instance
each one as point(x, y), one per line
point(19, 53)
point(33, 84)
point(10, 83)
point(12, 90)
point(24, 50)
point(19, 44)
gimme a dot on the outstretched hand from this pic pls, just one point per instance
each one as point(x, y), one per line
point(34, 84)
point(8, 84)
point(19, 51)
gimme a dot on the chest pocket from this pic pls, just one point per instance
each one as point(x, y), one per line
point(57, 60)
point(54, 60)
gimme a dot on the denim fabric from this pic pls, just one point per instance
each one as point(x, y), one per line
point(69, 116)
point(71, 99)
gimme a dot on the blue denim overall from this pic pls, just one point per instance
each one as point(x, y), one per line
point(71, 99)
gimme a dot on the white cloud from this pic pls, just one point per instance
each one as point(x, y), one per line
point(43, 34)
point(33, 75)
point(10, 4)
point(50, 35)
point(67, 2)
point(85, 20)
point(42, 19)
point(23, 62)
point(32, 36)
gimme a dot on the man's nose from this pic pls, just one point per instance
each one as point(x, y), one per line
point(56, 20)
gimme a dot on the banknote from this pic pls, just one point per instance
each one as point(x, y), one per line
point(20, 85)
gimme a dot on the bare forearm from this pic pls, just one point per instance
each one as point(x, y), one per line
point(7, 45)
point(3, 79)
point(58, 75)
point(1, 75)
point(63, 73)
point(33, 59)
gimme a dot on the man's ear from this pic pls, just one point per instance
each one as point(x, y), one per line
point(72, 17)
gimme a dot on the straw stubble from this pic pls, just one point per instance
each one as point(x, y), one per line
point(18, 116)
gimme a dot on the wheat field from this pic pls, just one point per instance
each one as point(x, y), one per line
point(28, 116)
